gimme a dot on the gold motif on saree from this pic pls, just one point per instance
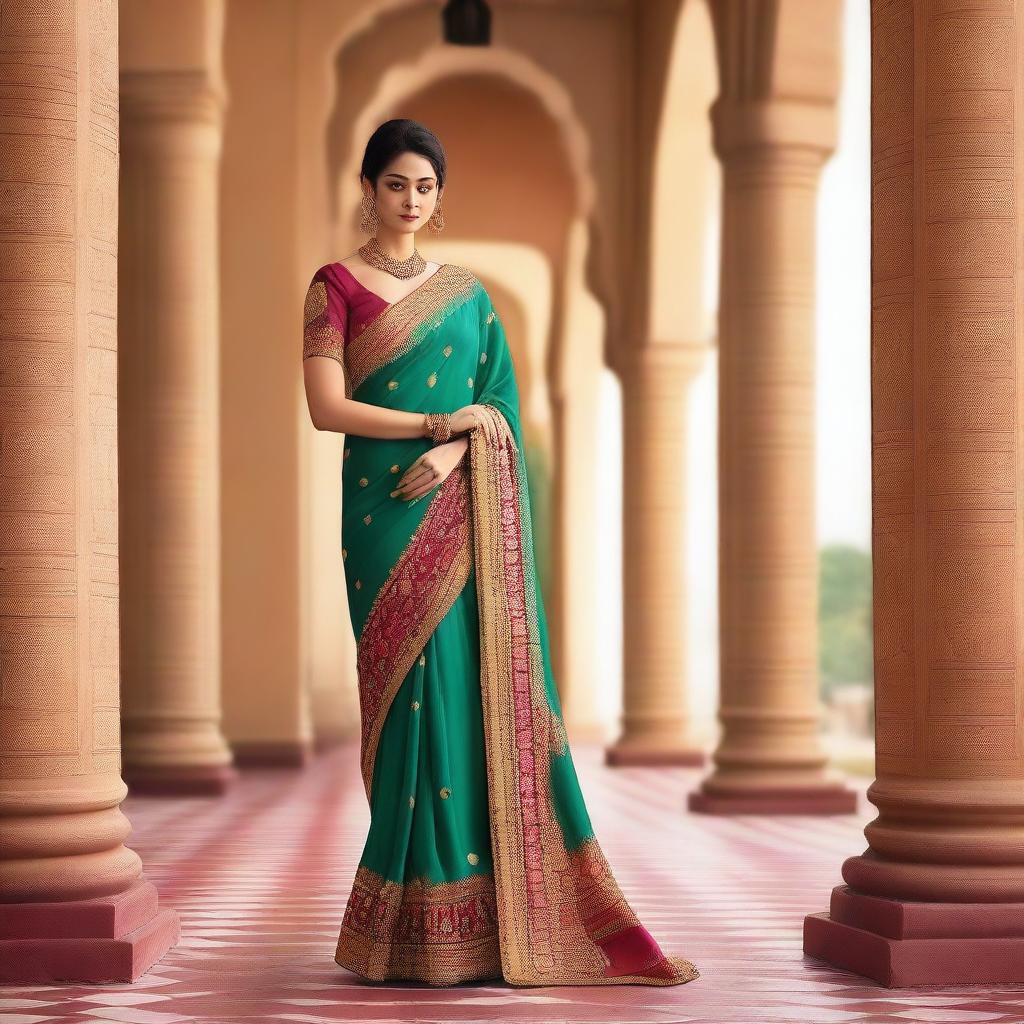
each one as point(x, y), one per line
point(431, 380)
point(447, 351)
point(363, 481)
point(473, 858)
point(445, 792)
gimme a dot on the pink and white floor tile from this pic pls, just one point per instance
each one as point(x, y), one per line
point(260, 878)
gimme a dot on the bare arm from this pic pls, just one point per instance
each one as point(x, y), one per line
point(329, 409)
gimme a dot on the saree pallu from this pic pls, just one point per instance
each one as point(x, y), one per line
point(481, 860)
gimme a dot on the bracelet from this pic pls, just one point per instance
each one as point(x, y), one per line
point(440, 426)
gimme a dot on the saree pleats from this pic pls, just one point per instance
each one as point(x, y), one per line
point(420, 908)
point(481, 860)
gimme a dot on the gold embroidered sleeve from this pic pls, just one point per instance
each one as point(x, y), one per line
point(324, 317)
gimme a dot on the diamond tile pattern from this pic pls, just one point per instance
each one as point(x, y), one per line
point(261, 875)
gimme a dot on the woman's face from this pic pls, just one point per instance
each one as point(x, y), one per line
point(407, 186)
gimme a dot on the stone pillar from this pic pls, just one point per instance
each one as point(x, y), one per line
point(74, 904)
point(938, 896)
point(773, 126)
point(655, 720)
point(170, 438)
point(574, 591)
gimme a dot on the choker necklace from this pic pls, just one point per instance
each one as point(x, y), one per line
point(377, 257)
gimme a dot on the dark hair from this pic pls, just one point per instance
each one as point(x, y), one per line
point(397, 136)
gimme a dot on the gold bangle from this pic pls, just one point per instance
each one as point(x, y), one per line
point(440, 426)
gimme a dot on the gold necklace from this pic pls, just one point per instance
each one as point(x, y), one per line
point(377, 257)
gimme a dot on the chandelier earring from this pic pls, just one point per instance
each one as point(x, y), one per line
point(436, 221)
point(368, 219)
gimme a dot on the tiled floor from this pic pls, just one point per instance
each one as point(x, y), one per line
point(261, 876)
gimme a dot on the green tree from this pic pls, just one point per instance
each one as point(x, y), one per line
point(844, 616)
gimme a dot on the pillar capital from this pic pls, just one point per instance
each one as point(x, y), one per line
point(154, 95)
point(805, 130)
point(677, 360)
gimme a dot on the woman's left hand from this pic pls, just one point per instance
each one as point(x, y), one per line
point(430, 469)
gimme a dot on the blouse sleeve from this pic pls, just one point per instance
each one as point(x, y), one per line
point(325, 319)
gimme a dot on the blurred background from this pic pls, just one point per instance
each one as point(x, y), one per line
point(585, 190)
point(670, 203)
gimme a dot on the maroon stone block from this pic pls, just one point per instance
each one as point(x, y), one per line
point(808, 800)
point(283, 754)
point(102, 917)
point(907, 943)
point(207, 780)
point(626, 756)
point(105, 939)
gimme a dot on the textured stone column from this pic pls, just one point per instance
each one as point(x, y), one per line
point(938, 896)
point(773, 126)
point(655, 718)
point(170, 441)
point(74, 904)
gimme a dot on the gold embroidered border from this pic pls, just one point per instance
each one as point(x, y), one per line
point(496, 658)
point(438, 597)
point(401, 326)
point(439, 932)
point(554, 905)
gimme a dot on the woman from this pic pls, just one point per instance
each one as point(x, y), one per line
point(480, 861)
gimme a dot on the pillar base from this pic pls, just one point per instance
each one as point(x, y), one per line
point(906, 943)
point(587, 733)
point(273, 754)
point(324, 742)
point(781, 800)
point(105, 939)
point(624, 754)
point(180, 780)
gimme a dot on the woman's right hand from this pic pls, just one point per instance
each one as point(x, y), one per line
point(469, 417)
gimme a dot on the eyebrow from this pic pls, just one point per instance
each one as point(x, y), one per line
point(392, 174)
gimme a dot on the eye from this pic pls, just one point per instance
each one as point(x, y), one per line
point(397, 184)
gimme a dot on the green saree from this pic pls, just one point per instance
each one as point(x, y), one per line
point(481, 860)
